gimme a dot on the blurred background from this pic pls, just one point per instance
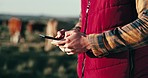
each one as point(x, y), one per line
point(23, 54)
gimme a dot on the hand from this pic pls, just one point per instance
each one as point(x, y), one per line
point(62, 34)
point(74, 42)
point(77, 42)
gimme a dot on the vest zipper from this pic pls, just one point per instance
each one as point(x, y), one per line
point(86, 23)
point(86, 17)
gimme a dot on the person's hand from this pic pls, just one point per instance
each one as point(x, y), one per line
point(62, 34)
point(60, 43)
point(74, 42)
point(77, 42)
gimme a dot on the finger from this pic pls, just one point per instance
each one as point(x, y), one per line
point(70, 53)
point(63, 30)
point(59, 42)
point(61, 33)
point(69, 50)
point(68, 44)
point(58, 35)
point(62, 48)
point(67, 33)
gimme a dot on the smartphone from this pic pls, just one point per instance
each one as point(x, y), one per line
point(48, 37)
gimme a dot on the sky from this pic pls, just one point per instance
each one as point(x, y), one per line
point(40, 7)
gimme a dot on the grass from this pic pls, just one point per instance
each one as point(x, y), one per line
point(29, 60)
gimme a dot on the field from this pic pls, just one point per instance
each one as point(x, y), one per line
point(29, 60)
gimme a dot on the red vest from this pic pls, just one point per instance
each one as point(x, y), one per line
point(106, 15)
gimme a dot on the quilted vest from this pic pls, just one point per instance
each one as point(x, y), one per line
point(105, 15)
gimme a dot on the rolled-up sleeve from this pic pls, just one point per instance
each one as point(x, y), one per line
point(134, 34)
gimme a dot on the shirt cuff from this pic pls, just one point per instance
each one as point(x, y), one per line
point(97, 45)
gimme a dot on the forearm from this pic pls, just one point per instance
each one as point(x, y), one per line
point(134, 35)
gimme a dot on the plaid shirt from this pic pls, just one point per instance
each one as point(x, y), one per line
point(132, 35)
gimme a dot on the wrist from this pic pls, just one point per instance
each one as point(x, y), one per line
point(89, 45)
point(92, 38)
point(78, 28)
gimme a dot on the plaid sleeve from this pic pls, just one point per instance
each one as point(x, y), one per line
point(134, 35)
